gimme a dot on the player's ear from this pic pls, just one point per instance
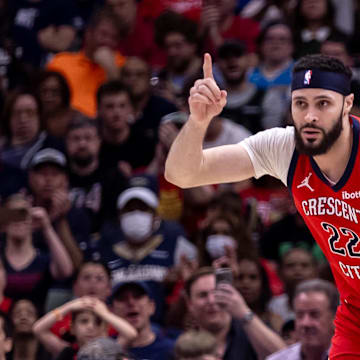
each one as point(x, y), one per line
point(348, 104)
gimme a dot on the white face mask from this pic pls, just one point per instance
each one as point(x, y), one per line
point(137, 225)
point(215, 245)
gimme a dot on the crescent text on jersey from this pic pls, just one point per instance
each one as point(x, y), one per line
point(330, 206)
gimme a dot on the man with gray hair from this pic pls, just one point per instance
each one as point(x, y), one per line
point(315, 304)
point(101, 349)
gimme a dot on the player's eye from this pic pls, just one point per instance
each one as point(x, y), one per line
point(323, 103)
point(300, 103)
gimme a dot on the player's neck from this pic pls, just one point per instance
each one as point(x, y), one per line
point(334, 162)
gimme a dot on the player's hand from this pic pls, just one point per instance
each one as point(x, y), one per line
point(206, 99)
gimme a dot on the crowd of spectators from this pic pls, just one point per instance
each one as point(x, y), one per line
point(101, 257)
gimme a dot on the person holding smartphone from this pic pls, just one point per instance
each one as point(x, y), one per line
point(218, 308)
point(30, 271)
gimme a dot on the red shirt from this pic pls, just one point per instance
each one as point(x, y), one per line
point(332, 213)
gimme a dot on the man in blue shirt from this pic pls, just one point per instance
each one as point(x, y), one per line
point(133, 301)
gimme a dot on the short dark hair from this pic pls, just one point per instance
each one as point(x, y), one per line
point(322, 62)
point(103, 14)
point(323, 286)
point(260, 39)
point(173, 22)
point(7, 325)
point(80, 121)
point(64, 86)
point(339, 38)
point(196, 275)
point(93, 262)
point(77, 313)
point(112, 87)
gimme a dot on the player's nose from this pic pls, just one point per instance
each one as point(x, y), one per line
point(311, 116)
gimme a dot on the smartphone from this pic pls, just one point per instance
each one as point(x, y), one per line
point(9, 215)
point(224, 275)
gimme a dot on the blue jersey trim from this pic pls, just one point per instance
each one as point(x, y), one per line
point(291, 172)
point(350, 165)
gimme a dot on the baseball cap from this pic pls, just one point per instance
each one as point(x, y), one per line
point(142, 187)
point(231, 48)
point(48, 156)
point(140, 285)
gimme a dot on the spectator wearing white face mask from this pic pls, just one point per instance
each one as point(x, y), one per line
point(142, 246)
point(223, 235)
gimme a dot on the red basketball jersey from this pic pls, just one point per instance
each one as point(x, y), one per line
point(332, 214)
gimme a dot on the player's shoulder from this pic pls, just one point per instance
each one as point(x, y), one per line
point(276, 135)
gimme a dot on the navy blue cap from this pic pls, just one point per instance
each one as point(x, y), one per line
point(142, 285)
point(142, 187)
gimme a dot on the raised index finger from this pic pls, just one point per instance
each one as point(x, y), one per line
point(207, 67)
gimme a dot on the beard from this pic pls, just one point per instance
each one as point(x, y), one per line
point(233, 81)
point(328, 140)
point(179, 65)
point(83, 161)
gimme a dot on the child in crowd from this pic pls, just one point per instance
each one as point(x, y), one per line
point(90, 317)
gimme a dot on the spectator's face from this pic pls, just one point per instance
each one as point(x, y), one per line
point(134, 306)
point(23, 316)
point(313, 319)
point(24, 120)
point(248, 281)
point(83, 145)
point(277, 45)
point(92, 280)
point(297, 266)
point(87, 327)
point(234, 68)
point(50, 95)
point(46, 179)
point(115, 111)
point(336, 50)
point(136, 75)
point(313, 9)
point(180, 51)
point(225, 7)
point(125, 10)
point(104, 34)
point(5, 343)
point(19, 229)
point(202, 305)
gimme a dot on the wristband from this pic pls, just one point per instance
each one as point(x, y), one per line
point(246, 318)
point(58, 315)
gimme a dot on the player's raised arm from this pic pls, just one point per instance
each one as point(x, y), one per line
point(188, 165)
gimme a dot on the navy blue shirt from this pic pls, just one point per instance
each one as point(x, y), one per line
point(160, 349)
point(30, 17)
point(152, 266)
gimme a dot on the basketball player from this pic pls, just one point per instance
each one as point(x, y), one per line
point(318, 159)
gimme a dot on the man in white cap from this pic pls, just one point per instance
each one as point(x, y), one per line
point(144, 247)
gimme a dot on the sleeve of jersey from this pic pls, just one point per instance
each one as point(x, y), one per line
point(271, 151)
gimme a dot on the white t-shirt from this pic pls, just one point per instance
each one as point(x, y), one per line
point(271, 151)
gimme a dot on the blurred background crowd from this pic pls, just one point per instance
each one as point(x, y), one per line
point(94, 241)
